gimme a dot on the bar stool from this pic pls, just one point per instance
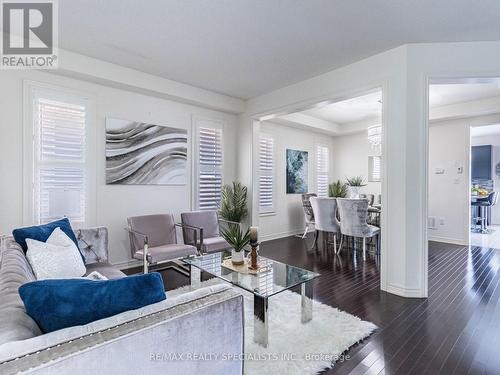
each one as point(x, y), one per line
point(484, 206)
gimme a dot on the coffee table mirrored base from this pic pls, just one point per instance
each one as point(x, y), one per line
point(261, 304)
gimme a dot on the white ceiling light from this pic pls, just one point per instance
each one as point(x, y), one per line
point(375, 136)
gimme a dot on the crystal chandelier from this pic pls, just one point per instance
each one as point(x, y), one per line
point(375, 136)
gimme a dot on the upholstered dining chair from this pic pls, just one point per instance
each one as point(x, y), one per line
point(354, 221)
point(208, 225)
point(325, 214)
point(308, 212)
point(369, 197)
point(153, 239)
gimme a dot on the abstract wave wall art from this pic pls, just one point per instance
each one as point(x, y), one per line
point(139, 153)
point(296, 171)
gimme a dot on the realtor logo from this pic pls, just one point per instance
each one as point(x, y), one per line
point(29, 34)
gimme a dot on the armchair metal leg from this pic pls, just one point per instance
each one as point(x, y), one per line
point(315, 244)
point(305, 231)
point(145, 258)
point(335, 243)
point(341, 243)
point(364, 248)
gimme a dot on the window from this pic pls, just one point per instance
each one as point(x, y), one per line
point(266, 175)
point(209, 162)
point(374, 168)
point(322, 166)
point(59, 156)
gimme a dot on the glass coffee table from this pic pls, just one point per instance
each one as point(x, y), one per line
point(273, 277)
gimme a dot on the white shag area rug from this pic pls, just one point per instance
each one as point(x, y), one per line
point(296, 348)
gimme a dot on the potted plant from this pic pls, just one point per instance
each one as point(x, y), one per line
point(238, 239)
point(337, 189)
point(233, 203)
point(355, 184)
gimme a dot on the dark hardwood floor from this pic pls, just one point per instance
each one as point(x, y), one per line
point(454, 331)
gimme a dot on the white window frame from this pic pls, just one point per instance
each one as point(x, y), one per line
point(31, 90)
point(371, 159)
point(197, 123)
point(265, 211)
point(316, 172)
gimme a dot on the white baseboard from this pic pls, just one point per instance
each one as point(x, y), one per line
point(454, 241)
point(405, 292)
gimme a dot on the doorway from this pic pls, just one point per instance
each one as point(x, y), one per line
point(463, 118)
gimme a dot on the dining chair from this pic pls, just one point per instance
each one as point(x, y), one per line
point(325, 214)
point(153, 239)
point(208, 225)
point(369, 197)
point(308, 212)
point(354, 221)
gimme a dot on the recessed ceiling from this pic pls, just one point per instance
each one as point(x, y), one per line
point(368, 107)
point(445, 94)
point(357, 109)
point(485, 130)
point(245, 48)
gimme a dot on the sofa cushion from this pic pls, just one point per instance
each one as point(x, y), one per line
point(58, 258)
point(56, 304)
point(43, 232)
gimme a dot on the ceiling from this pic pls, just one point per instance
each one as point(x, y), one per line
point(351, 110)
point(355, 114)
point(445, 94)
point(485, 130)
point(369, 106)
point(245, 48)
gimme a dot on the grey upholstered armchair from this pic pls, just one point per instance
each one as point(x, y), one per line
point(207, 223)
point(354, 221)
point(153, 239)
point(325, 215)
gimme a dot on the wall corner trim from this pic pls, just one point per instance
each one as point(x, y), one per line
point(405, 292)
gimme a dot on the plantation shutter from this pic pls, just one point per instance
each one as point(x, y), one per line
point(59, 160)
point(322, 166)
point(209, 168)
point(266, 176)
point(374, 168)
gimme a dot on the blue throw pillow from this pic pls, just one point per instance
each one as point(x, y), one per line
point(60, 303)
point(43, 232)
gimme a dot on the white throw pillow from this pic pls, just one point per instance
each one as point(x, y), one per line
point(58, 258)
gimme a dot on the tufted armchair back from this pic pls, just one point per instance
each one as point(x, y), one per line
point(353, 217)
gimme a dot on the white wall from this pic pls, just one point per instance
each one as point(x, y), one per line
point(350, 158)
point(288, 217)
point(449, 192)
point(113, 203)
point(402, 272)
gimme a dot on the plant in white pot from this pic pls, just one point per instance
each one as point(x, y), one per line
point(355, 184)
point(238, 240)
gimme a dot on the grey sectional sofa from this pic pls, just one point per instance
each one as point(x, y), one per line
point(200, 331)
